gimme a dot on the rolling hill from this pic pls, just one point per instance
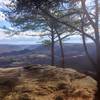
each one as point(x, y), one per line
point(23, 55)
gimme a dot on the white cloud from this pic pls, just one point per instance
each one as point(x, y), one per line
point(3, 6)
point(27, 34)
point(18, 39)
point(2, 34)
point(5, 1)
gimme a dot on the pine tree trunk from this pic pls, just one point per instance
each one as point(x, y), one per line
point(97, 36)
point(52, 50)
point(61, 48)
point(62, 51)
point(86, 51)
point(97, 95)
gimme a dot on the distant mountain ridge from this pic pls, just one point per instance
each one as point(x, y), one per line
point(9, 48)
point(23, 55)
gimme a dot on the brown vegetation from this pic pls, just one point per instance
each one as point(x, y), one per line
point(45, 83)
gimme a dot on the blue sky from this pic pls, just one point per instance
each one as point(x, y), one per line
point(23, 39)
point(16, 39)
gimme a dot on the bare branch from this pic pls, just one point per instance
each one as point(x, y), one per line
point(87, 14)
point(66, 23)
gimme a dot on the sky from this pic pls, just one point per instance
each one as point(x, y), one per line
point(23, 38)
point(16, 39)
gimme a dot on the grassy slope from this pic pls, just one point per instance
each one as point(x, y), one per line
point(45, 83)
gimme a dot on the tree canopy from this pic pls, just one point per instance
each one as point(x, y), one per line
point(28, 14)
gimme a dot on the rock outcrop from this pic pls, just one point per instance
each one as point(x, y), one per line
point(45, 83)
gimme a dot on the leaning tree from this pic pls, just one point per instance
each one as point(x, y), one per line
point(90, 19)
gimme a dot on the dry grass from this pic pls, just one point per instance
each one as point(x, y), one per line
point(45, 83)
